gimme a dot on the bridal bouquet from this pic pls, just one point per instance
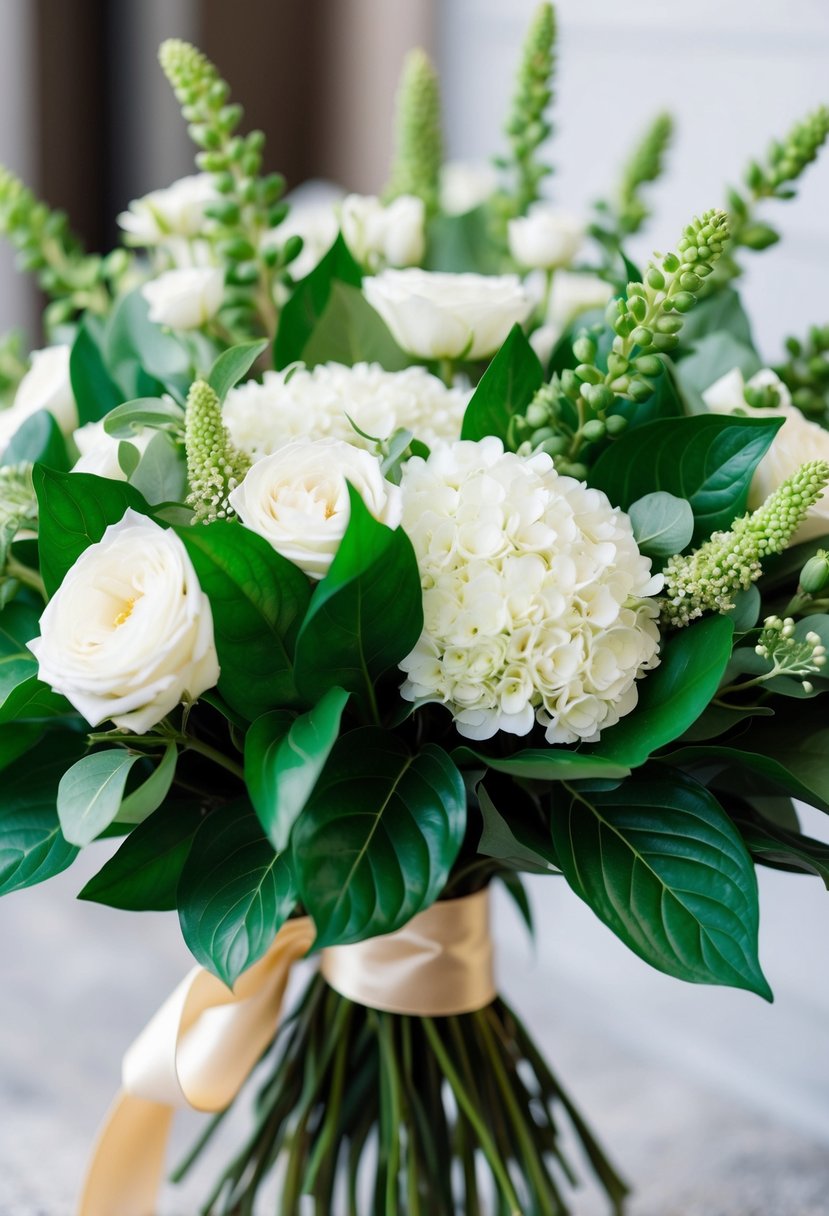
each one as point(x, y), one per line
point(357, 556)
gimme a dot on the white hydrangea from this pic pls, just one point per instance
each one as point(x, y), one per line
point(298, 404)
point(535, 596)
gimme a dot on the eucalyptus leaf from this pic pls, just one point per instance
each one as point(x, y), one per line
point(712, 357)
point(232, 365)
point(161, 473)
point(662, 523)
point(141, 803)
point(39, 438)
point(153, 412)
point(90, 794)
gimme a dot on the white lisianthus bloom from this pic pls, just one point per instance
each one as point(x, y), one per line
point(380, 235)
point(448, 316)
point(99, 451)
point(176, 211)
point(797, 442)
point(465, 185)
point(298, 403)
point(129, 633)
point(46, 386)
point(297, 499)
point(185, 298)
point(545, 237)
point(536, 597)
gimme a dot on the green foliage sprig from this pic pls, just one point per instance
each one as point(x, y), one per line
point(625, 213)
point(74, 281)
point(528, 124)
point(806, 373)
point(13, 363)
point(418, 152)
point(785, 162)
point(250, 203)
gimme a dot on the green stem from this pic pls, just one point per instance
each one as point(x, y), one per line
point(27, 576)
point(213, 753)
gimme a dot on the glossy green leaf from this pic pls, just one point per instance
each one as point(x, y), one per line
point(458, 244)
point(16, 739)
point(708, 460)
point(365, 615)
point(38, 439)
point(161, 473)
point(379, 836)
point(19, 624)
point(510, 843)
point(662, 865)
point(662, 524)
point(544, 764)
point(349, 331)
point(506, 388)
point(75, 511)
point(234, 893)
point(32, 847)
point(141, 803)
point(303, 310)
point(674, 695)
point(782, 849)
point(155, 412)
point(232, 365)
point(90, 793)
point(258, 599)
point(144, 873)
point(143, 357)
point(94, 391)
point(284, 758)
point(32, 701)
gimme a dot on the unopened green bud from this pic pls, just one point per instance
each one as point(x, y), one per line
point(593, 429)
point(814, 577)
point(655, 279)
point(537, 414)
point(554, 446)
point(615, 424)
point(589, 374)
point(584, 348)
point(648, 365)
point(640, 390)
point(642, 336)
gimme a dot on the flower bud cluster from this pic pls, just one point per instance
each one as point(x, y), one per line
point(418, 154)
point(708, 579)
point(788, 654)
point(214, 466)
point(806, 373)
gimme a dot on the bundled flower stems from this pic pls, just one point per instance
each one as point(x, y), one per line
point(349, 569)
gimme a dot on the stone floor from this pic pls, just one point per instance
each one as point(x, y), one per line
point(715, 1103)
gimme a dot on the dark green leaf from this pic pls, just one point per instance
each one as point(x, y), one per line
point(506, 388)
point(32, 847)
point(90, 793)
point(144, 873)
point(283, 759)
point(19, 623)
point(16, 739)
point(350, 331)
point(258, 600)
point(232, 365)
point(305, 307)
point(92, 386)
point(662, 865)
point(708, 460)
point(75, 510)
point(234, 893)
point(365, 615)
point(506, 841)
point(38, 439)
point(782, 849)
point(673, 696)
point(379, 836)
point(545, 764)
point(32, 701)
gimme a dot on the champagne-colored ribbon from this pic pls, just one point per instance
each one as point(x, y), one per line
point(205, 1040)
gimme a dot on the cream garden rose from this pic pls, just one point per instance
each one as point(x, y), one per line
point(448, 316)
point(465, 185)
point(129, 633)
point(797, 442)
point(185, 298)
point(176, 211)
point(545, 237)
point(380, 235)
point(46, 386)
point(297, 499)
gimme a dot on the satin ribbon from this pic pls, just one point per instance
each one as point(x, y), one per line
point(202, 1044)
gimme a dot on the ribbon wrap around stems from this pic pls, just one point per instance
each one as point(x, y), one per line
point(202, 1044)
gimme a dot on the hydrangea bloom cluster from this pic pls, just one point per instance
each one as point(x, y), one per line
point(296, 403)
point(535, 596)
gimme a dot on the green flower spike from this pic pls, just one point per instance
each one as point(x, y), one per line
point(214, 466)
point(528, 125)
point(418, 153)
point(806, 374)
point(624, 215)
point(708, 579)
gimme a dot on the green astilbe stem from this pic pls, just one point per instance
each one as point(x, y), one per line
point(418, 150)
point(251, 203)
point(528, 124)
point(214, 466)
point(624, 215)
point(773, 177)
point(708, 579)
point(74, 281)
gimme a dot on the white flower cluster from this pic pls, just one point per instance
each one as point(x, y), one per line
point(298, 404)
point(534, 596)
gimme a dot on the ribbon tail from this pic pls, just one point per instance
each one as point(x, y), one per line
point(128, 1163)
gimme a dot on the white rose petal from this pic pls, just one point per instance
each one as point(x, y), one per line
point(129, 633)
point(571, 295)
point(177, 211)
point(99, 450)
point(379, 235)
point(545, 237)
point(46, 386)
point(297, 499)
point(465, 185)
point(185, 298)
point(446, 316)
point(797, 442)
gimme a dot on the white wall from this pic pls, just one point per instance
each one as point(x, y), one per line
point(734, 74)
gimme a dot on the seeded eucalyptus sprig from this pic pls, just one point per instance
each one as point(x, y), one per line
point(624, 214)
point(74, 281)
point(785, 162)
point(572, 412)
point(528, 124)
point(806, 373)
point(418, 150)
point(251, 203)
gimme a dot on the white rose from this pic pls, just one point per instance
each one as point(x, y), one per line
point(297, 499)
point(797, 442)
point(446, 316)
point(572, 294)
point(384, 236)
point(99, 450)
point(465, 185)
point(545, 237)
point(129, 633)
point(46, 386)
point(185, 298)
point(313, 217)
point(177, 211)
